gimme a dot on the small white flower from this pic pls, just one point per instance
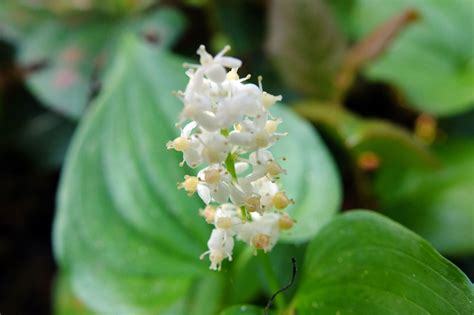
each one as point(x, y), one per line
point(214, 184)
point(262, 232)
point(228, 131)
point(227, 218)
point(220, 246)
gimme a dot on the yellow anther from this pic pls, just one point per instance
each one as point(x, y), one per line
point(280, 200)
point(253, 203)
point(212, 176)
point(274, 169)
point(285, 223)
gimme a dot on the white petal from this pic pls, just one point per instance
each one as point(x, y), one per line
point(204, 193)
point(241, 167)
point(229, 62)
point(188, 129)
point(221, 193)
point(207, 120)
point(240, 138)
point(192, 157)
point(216, 73)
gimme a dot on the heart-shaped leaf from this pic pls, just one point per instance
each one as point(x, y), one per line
point(306, 45)
point(123, 231)
point(433, 60)
point(363, 263)
point(122, 224)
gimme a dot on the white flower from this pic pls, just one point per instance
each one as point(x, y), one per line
point(262, 232)
point(266, 189)
point(227, 218)
point(214, 184)
point(227, 129)
point(220, 246)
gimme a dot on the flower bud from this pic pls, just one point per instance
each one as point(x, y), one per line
point(285, 222)
point(209, 213)
point(280, 200)
point(190, 184)
point(179, 144)
point(274, 169)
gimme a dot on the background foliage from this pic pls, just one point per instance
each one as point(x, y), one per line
point(379, 109)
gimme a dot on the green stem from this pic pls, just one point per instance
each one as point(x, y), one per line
point(272, 280)
point(230, 165)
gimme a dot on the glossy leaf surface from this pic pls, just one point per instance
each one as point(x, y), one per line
point(364, 263)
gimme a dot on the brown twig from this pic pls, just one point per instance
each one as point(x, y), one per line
point(370, 47)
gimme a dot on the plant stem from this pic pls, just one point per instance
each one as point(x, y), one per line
point(230, 166)
point(272, 279)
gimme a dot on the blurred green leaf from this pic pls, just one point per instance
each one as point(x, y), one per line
point(437, 204)
point(65, 302)
point(206, 295)
point(433, 60)
point(394, 146)
point(76, 51)
point(243, 310)
point(123, 231)
point(16, 20)
point(363, 263)
point(312, 179)
point(112, 7)
point(306, 44)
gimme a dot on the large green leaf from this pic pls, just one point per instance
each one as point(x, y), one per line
point(433, 60)
point(123, 231)
point(76, 51)
point(122, 226)
point(437, 204)
point(363, 263)
point(306, 45)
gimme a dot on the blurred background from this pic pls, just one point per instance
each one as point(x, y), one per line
point(389, 87)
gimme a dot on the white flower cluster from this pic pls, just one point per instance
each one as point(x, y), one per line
point(228, 131)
